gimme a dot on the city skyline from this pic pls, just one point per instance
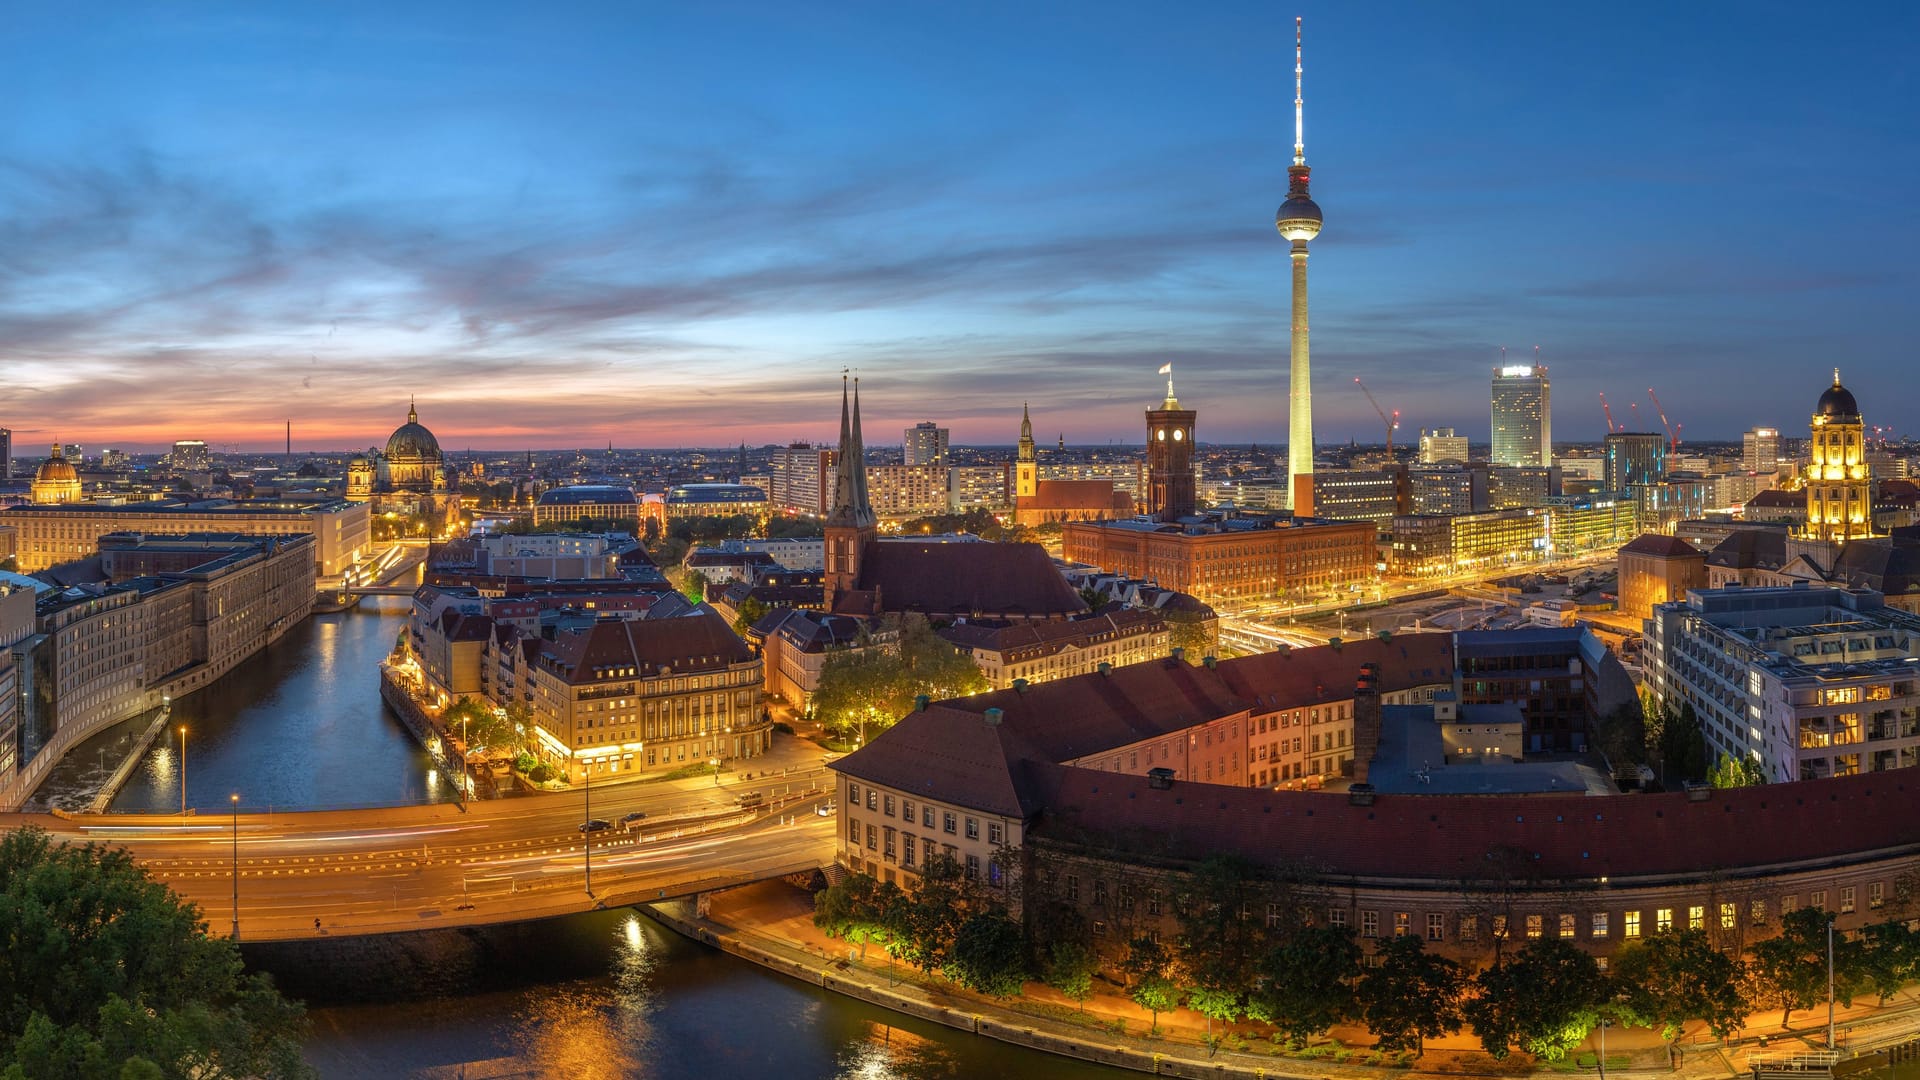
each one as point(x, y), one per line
point(213, 222)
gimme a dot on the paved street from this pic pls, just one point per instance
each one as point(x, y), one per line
point(362, 871)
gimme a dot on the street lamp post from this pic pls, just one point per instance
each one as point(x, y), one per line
point(183, 770)
point(586, 834)
point(1829, 982)
point(715, 763)
point(235, 797)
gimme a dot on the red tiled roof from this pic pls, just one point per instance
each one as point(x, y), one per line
point(1077, 495)
point(1016, 580)
point(1448, 837)
point(699, 642)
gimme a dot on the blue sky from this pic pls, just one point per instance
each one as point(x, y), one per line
point(675, 224)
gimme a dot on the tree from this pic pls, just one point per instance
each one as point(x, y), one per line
point(928, 919)
point(1070, 970)
point(861, 909)
point(107, 973)
point(1621, 735)
point(751, 611)
point(1671, 978)
point(1733, 772)
point(1149, 971)
point(1410, 995)
point(876, 684)
point(1306, 983)
point(1889, 957)
point(694, 586)
point(1546, 998)
point(1679, 742)
point(1220, 943)
point(988, 955)
point(1092, 597)
point(1790, 971)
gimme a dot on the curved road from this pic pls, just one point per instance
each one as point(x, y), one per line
point(415, 867)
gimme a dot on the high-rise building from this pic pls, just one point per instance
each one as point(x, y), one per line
point(1634, 457)
point(1026, 469)
point(1170, 460)
point(1522, 415)
point(192, 455)
point(1299, 221)
point(1760, 450)
point(6, 454)
point(800, 478)
point(1442, 445)
point(926, 444)
point(1839, 489)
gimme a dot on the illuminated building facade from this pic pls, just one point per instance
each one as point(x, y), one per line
point(1807, 682)
point(925, 444)
point(51, 535)
point(1442, 445)
point(1026, 469)
point(906, 491)
point(1634, 457)
point(1454, 543)
point(1522, 416)
point(800, 479)
point(1760, 450)
point(1227, 558)
point(715, 500)
point(55, 482)
point(1839, 491)
point(1657, 569)
point(585, 502)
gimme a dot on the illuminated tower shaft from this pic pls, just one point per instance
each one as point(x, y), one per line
point(1299, 221)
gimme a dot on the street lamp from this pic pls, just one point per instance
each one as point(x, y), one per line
point(586, 833)
point(235, 797)
point(715, 762)
point(183, 770)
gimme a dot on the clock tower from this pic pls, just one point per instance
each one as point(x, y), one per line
point(1170, 459)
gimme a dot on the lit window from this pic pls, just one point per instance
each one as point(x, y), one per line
point(1630, 924)
point(1599, 924)
point(1663, 920)
point(1536, 925)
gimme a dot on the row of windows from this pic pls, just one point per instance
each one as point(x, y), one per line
point(949, 821)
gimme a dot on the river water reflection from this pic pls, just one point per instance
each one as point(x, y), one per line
point(300, 726)
point(664, 1008)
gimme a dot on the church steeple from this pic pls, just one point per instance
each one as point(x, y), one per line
point(1026, 434)
point(1026, 469)
point(851, 524)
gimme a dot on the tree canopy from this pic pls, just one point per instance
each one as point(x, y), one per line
point(109, 974)
point(1546, 997)
point(1668, 979)
point(878, 683)
point(1410, 995)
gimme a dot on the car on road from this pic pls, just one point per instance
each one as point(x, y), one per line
point(628, 821)
point(594, 825)
point(825, 809)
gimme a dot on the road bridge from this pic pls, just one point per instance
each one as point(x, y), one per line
point(345, 873)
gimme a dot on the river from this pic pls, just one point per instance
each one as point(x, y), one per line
point(611, 994)
point(628, 998)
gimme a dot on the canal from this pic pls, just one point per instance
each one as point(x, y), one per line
point(625, 997)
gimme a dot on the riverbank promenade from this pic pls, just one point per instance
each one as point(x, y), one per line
point(771, 925)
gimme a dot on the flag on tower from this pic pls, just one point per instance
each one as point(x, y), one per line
point(1166, 368)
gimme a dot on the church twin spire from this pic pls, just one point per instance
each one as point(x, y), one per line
point(851, 507)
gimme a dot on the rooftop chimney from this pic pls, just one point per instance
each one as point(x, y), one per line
point(993, 716)
point(920, 702)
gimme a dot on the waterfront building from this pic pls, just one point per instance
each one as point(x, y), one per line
point(51, 535)
point(1299, 220)
point(1634, 458)
point(1522, 416)
point(586, 502)
point(1839, 484)
point(1441, 445)
point(1806, 681)
point(1760, 450)
point(56, 481)
point(1265, 720)
point(715, 500)
point(925, 444)
point(1032, 652)
point(149, 618)
point(537, 556)
point(1656, 569)
point(801, 479)
point(619, 696)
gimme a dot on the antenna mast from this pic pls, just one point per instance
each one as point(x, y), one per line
point(1299, 127)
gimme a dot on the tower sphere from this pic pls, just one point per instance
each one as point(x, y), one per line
point(1837, 402)
point(1298, 219)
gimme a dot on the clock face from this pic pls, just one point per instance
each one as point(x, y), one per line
point(1163, 436)
point(1178, 434)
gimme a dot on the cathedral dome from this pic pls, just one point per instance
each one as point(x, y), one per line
point(413, 442)
point(56, 470)
point(1837, 403)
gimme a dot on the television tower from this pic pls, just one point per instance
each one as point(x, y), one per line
point(1299, 221)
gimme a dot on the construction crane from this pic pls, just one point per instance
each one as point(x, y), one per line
point(1608, 409)
point(1633, 407)
point(1392, 422)
point(1673, 441)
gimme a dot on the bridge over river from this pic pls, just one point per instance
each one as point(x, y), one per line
point(343, 873)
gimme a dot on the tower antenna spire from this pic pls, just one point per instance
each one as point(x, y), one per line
point(1299, 127)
